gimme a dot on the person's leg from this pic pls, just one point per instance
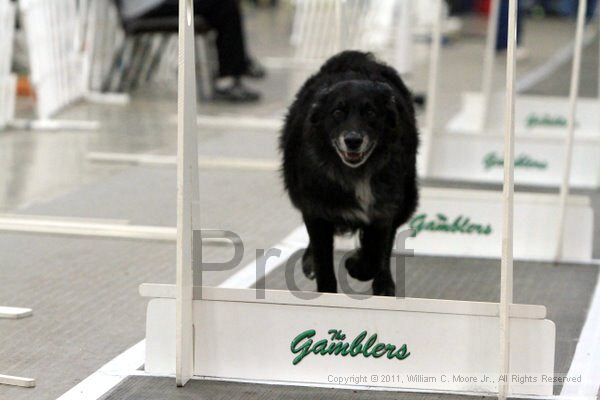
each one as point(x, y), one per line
point(591, 9)
point(502, 38)
point(225, 17)
point(166, 9)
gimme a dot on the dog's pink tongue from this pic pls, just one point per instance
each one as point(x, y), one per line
point(353, 156)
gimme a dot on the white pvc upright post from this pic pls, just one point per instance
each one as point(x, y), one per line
point(489, 61)
point(432, 85)
point(403, 37)
point(187, 193)
point(506, 272)
point(338, 26)
point(573, 94)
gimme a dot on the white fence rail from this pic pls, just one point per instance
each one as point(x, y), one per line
point(7, 80)
point(52, 29)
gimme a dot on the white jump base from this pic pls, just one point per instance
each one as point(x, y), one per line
point(15, 312)
point(468, 223)
point(539, 161)
point(467, 153)
point(230, 345)
point(16, 381)
point(545, 116)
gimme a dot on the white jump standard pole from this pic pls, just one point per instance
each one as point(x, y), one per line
point(188, 249)
point(432, 85)
point(489, 61)
point(506, 272)
point(573, 95)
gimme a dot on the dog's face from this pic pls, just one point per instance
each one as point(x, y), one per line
point(356, 116)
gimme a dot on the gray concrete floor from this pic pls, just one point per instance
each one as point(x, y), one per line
point(84, 291)
point(138, 388)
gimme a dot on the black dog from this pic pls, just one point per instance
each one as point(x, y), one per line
point(349, 161)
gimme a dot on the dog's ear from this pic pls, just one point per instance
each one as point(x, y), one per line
point(391, 112)
point(316, 111)
point(391, 106)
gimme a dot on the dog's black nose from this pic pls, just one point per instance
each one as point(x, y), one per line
point(353, 140)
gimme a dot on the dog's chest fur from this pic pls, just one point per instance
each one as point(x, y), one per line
point(365, 199)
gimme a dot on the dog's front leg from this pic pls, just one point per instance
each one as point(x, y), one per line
point(320, 233)
point(376, 248)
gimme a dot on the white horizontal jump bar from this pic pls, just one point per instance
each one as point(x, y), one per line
point(15, 312)
point(54, 124)
point(343, 301)
point(203, 162)
point(16, 381)
point(120, 99)
point(240, 121)
point(95, 229)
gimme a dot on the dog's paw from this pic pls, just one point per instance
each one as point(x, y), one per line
point(358, 268)
point(308, 265)
point(384, 287)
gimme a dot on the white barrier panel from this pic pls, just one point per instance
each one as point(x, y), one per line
point(539, 161)
point(7, 81)
point(543, 116)
point(468, 223)
point(470, 154)
point(332, 337)
point(57, 61)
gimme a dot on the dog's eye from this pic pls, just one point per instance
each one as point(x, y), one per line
point(338, 114)
point(371, 114)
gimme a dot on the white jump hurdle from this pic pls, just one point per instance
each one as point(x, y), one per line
point(57, 61)
point(539, 161)
point(305, 342)
point(541, 125)
point(468, 223)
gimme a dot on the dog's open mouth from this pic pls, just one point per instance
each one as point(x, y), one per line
point(354, 159)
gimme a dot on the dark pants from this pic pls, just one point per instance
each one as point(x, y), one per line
point(226, 19)
point(502, 40)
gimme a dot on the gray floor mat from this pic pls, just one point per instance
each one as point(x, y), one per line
point(143, 388)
